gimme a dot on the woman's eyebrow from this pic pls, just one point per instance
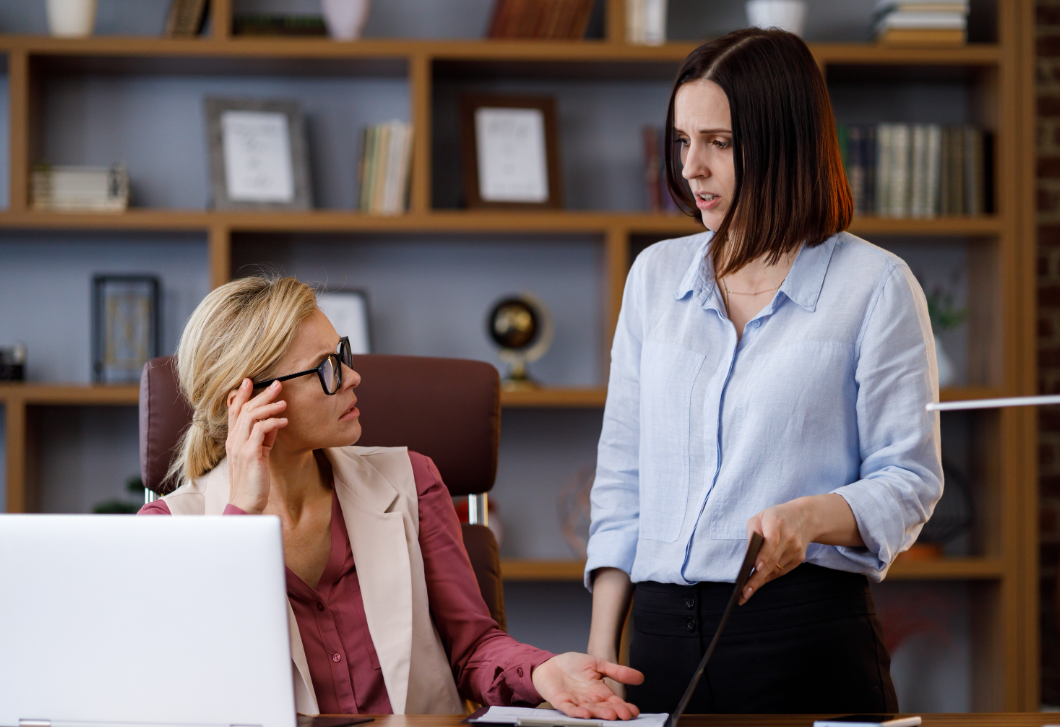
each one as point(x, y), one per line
point(705, 131)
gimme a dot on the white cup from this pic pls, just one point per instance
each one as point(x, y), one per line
point(71, 18)
point(789, 15)
point(346, 18)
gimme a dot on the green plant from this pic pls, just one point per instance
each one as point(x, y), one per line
point(944, 315)
point(121, 506)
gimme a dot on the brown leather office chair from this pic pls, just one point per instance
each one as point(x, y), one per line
point(447, 409)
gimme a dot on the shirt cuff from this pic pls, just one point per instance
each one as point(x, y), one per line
point(873, 517)
point(610, 549)
point(520, 680)
point(231, 509)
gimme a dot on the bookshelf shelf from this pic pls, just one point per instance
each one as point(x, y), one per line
point(949, 569)
point(450, 221)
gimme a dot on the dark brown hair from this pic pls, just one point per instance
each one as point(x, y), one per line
point(790, 184)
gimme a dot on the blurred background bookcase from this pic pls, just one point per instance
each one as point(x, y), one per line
point(129, 97)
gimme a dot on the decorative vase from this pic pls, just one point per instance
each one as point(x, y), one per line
point(346, 18)
point(947, 371)
point(789, 15)
point(71, 18)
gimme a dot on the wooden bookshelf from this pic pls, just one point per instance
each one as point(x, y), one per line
point(1001, 247)
point(940, 569)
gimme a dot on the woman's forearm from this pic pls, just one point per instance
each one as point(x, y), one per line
point(612, 592)
point(830, 521)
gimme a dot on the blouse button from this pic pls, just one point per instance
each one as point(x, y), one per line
point(690, 624)
point(336, 658)
point(320, 606)
point(519, 671)
point(690, 603)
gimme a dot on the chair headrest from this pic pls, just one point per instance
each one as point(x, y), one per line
point(447, 409)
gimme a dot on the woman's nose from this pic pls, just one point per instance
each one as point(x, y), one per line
point(350, 378)
point(694, 165)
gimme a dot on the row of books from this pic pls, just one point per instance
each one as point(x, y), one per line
point(548, 19)
point(918, 170)
point(79, 189)
point(384, 169)
point(922, 21)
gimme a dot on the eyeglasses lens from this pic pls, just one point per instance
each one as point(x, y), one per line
point(332, 374)
point(346, 353)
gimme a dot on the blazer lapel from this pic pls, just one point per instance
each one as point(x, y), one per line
point(381, 553)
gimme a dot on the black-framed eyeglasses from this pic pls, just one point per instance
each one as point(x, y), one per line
point(329, 371)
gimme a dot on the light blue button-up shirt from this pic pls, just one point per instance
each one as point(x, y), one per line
point(825, 392)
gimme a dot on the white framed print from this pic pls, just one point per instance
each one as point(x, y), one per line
point(258, 154)
point(348, 312)
point(510, 152)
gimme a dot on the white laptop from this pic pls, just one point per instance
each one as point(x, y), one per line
point(108, 619)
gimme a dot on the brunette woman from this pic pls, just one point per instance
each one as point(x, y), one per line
point(768, 375)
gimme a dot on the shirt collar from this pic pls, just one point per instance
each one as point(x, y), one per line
point(802, 285)
point(806, 277)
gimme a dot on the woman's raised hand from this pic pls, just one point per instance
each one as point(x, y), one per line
point(252, 427)
point(574, 684)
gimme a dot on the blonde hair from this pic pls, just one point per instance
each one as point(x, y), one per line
point(240, 330)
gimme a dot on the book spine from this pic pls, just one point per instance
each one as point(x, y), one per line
point(883, 169)
point(362, 169)
point(652, 168)
point(379, 188)
point(901, 158)
point(918, 180)
point(855, 166)
point(635, 21)
point(973, 171)
point(869, 157)
point(956, 190)
point(406, 168)
point(934, 160)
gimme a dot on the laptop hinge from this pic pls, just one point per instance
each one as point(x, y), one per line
point(34, 723)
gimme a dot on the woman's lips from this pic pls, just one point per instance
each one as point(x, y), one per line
point(706, 204)
point(352, 413)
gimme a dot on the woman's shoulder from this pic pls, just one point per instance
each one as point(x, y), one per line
point(663, 265)
point(854, 252)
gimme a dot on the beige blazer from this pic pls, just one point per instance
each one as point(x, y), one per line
point(376, 489)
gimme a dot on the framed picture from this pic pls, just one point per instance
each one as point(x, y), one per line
point(510, 152)
point(258, 154)
point(348, 312)
point(126, 325)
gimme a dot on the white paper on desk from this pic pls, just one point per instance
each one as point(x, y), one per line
point(511, 715)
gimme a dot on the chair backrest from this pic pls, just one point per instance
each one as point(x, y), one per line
point(447, 409)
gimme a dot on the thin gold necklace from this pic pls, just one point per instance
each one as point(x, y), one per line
point(767, 290)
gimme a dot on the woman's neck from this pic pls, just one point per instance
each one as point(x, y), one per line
point(760, 275)
point(297, 479)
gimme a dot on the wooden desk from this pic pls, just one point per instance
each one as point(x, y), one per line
point(980, 719)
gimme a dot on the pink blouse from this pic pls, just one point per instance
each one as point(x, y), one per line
point(489, 666)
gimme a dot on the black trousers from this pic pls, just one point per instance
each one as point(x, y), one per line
point(807, 642)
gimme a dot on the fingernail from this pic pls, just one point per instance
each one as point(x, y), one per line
point(760, 565)
point(274, 385)
point(245, 384)
point(747, 592)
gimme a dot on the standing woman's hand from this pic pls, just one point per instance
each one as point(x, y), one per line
point(788, 529)
point(252, 428)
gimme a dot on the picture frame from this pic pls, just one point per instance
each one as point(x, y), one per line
point(126, 326)
point(510, 152)
point(347, 309)
point(258, 154)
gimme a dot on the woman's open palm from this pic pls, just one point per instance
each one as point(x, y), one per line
point(574, 684)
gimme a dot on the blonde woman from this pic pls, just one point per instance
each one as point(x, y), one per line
point(385, 611)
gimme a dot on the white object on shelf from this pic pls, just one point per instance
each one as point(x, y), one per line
point(345, 18)
point(646, 22)
point(789, 15)
point(98, 189)
point(72, 18)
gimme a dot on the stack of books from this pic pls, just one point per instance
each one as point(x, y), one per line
point(549, 19)
point(918, 170)
point(386, 158)
point(926, 22)
point(79, 189)
point(279, 25)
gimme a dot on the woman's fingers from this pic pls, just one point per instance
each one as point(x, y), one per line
point(622, 674)
point(262, 429)
point(262, 406)
point(236, 400)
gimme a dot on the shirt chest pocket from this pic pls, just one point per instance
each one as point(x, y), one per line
point(667, 375)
